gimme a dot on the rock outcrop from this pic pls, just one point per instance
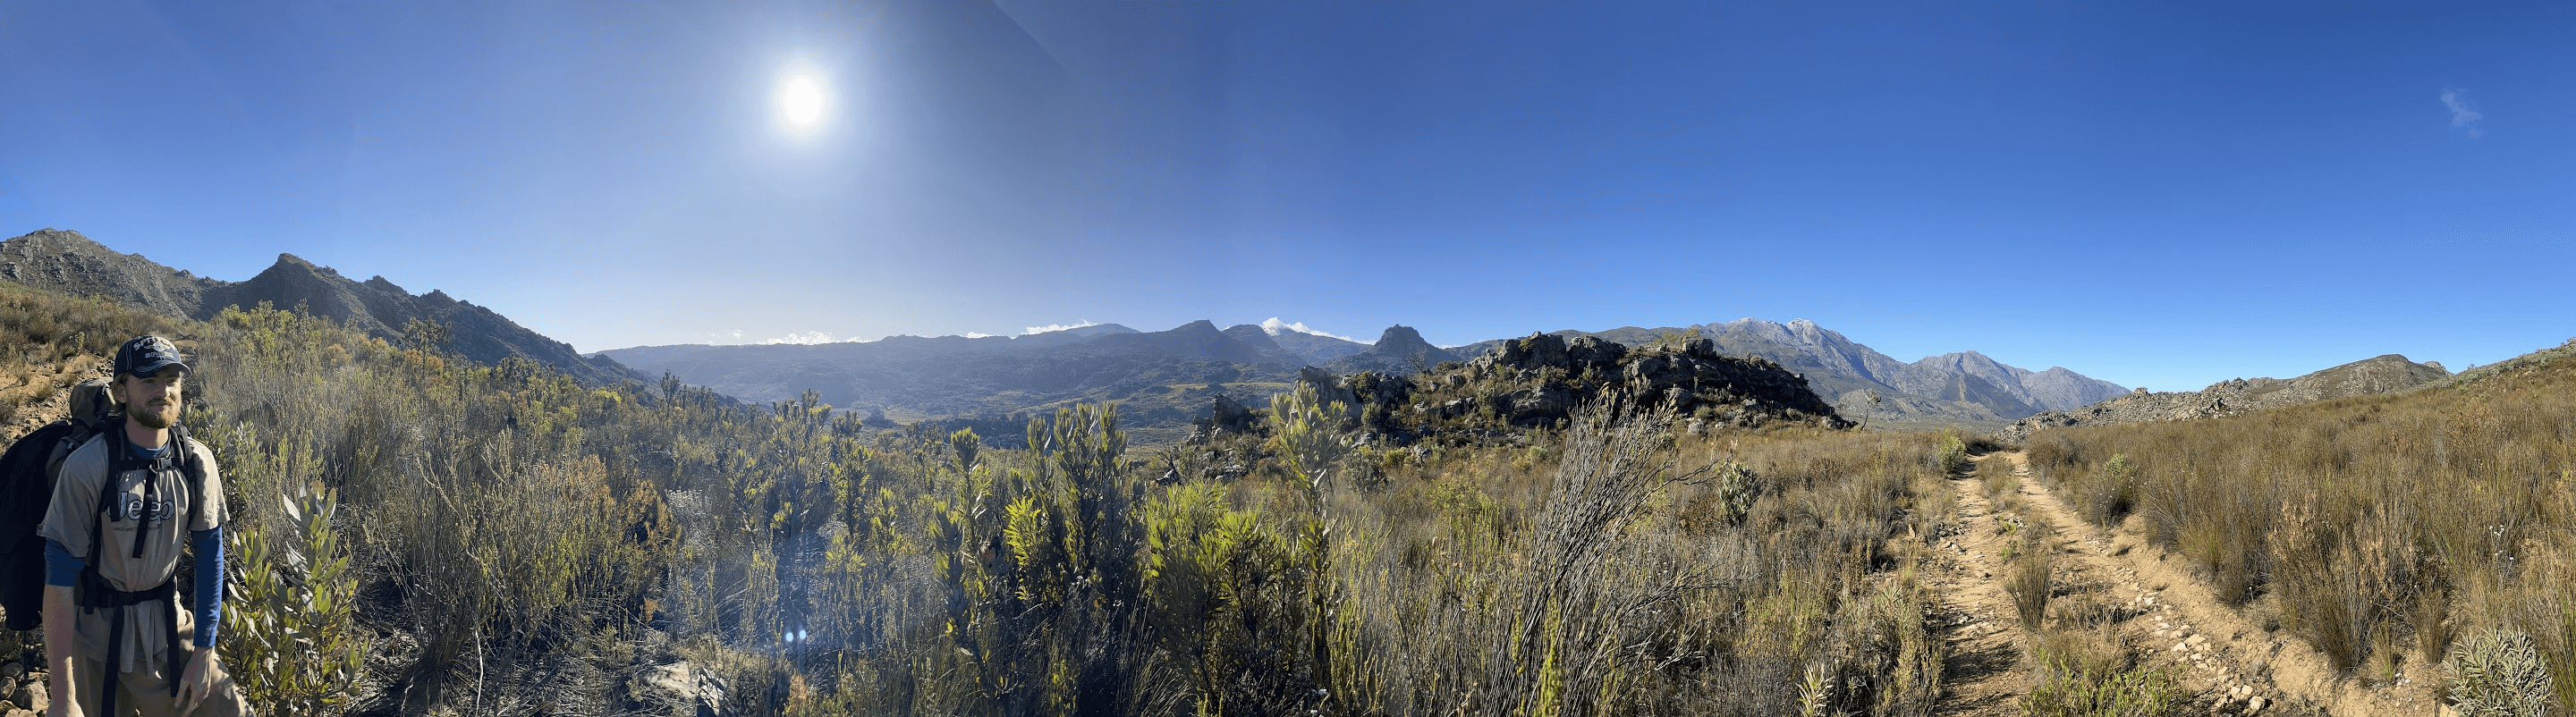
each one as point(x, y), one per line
point(1542, 379)
point(1962, 388)
point(2381, 374)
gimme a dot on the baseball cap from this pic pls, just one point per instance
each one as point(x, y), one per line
point(147, 356)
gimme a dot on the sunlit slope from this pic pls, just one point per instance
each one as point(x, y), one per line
point(2378, 527)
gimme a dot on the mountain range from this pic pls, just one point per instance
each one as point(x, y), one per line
point(1165, 378)
point(66, 262)
point(1164, 375)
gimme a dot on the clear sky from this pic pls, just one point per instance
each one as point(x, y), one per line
point(2158, 194)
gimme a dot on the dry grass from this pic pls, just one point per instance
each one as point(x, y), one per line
point(2028, 575)
point(2378, 524)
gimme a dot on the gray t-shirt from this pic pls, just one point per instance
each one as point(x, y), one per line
point(150, 625)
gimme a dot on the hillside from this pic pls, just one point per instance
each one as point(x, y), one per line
point(1951, 389)
point(2340, 534)
point(2379, 374)
point(72, 264)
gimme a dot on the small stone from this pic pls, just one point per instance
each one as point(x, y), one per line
point(12, 670)
point(30, 696)
point(2254, 705)
point(2164, 633)
point(2181, 646)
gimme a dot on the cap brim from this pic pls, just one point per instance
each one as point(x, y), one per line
point(155, 370)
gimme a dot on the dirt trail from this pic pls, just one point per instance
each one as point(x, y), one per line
point(2166, 616)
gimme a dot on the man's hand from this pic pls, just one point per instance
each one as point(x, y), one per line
point(199, 679)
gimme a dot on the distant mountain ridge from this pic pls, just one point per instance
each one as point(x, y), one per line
point(67, 262)
point(1162, 379)
point(1169, 376)
point(2379, 374)
point(1963, 387)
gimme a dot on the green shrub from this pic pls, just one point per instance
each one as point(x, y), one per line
point(1737, 487)
point(2500, 673)
point(2112, 491)
point(2064, 690)
point(2084, 672)
point(292, 641)
point(1950, 455)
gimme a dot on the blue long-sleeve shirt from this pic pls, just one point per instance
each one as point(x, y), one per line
point(62, 569)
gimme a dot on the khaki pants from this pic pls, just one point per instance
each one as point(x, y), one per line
point(147, 693)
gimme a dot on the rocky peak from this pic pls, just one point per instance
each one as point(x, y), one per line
point(1399, 350)
point(1402, 336)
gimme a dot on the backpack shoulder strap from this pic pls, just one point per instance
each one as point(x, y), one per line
point(195, 471)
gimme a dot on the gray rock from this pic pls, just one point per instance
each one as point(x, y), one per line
point(31, 696)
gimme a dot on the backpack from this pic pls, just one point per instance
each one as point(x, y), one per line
point(27, 474)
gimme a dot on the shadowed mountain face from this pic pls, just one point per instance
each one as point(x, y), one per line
point(67, 262)
point(1315, 349)
point(1963, 387)
point(1400, 351)
point(2379, 374)
point(1161, 379)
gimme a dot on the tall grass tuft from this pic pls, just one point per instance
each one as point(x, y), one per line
point(1995, 478)
point(2028, 578)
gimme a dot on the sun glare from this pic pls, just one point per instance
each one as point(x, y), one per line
point(800, 100)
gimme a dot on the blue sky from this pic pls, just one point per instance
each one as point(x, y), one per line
point(2158, 194)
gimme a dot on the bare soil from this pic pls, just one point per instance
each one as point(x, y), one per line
point(2165, 615)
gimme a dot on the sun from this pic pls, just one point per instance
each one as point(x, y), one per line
point(801, 101)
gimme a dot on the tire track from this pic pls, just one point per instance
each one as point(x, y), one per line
point(2165, 616)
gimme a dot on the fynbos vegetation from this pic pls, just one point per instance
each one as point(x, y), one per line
point(2376, 527)
point(503, 539)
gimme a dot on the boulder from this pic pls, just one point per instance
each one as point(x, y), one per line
point(31, 696)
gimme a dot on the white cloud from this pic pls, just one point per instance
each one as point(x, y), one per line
point(808, 338)
point(1059, 327)
point(978, 335)
point(2464, 113)
point(1277, 327)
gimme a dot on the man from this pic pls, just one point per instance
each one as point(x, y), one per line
point(109, 568)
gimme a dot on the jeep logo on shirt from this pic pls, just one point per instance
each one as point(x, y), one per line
point(136, 508)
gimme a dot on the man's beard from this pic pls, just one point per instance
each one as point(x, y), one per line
point(155, 418)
